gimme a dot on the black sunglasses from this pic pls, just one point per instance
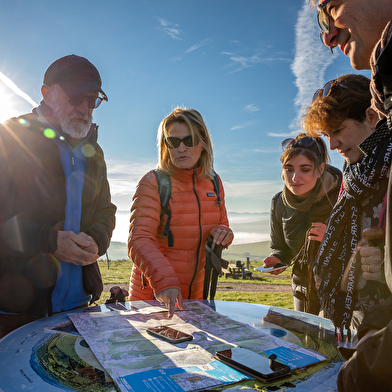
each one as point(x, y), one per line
point(303, 142)
point(174, 142)
point(92, 101)
point(326, 90)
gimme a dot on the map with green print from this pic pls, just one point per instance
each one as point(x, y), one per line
point(122, 346)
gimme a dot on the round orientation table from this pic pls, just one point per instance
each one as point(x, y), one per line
point(21, 350)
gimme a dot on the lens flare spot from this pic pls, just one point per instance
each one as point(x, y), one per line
point(49, 133)
point(24, 122)
point(88, 150)
point(62, 138)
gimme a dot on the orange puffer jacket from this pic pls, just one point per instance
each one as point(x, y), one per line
point(195, 213)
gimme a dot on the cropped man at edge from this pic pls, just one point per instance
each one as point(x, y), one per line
point(56, 215)
point(362, 29)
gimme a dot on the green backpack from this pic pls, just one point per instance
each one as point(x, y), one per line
point(213, 253)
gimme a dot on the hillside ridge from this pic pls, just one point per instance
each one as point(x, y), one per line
point(253, 250)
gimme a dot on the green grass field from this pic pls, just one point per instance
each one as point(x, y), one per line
point(119, 272)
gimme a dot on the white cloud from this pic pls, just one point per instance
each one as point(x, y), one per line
point(241, 126)
point(251, 189)
point(311, 57)
point(170, 28)
point(197, 46)
point(123, 176)
point(284, 134)
point(251, 108)
point(240, 62)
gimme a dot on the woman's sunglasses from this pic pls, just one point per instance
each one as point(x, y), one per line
point(326, 90)
point(303, 142)
point(92, 101)
point(174, 142)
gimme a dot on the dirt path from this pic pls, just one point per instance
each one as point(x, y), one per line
point(223, 286)
point(254, 287)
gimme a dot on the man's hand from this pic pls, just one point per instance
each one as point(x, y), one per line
point(372, 263)
point(171, 298)
point(270, 261)
point(78, 249)
point(93, 247)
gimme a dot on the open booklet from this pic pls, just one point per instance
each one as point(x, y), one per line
point(188, 378)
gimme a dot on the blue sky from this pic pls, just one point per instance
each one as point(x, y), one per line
point(248, 66)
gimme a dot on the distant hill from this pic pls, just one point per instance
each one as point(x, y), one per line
point(117, 251)
point(255, 251)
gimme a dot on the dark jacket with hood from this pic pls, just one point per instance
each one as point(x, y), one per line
point(32, 211)
point(289, 224)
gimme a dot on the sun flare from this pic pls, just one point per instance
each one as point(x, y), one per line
point(7, 103)
point(9, 91)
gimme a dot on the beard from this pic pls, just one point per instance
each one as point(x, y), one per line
point(75, 129)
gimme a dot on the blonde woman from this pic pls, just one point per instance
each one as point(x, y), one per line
point(161, 270)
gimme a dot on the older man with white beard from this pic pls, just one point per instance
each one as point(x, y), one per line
point(56, 215)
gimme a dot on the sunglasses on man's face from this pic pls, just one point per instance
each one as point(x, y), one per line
point(92, 100)
point(174, 142)
point(327, 89)
point(323, 17)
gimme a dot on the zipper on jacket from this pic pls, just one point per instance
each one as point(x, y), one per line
point(200, 234)
point(144, 284)
point(67, 282)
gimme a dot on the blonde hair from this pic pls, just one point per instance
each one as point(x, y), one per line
point(199, 132)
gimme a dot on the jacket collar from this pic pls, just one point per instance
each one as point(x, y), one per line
point(185, 175)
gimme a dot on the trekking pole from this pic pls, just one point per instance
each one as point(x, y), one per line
point(373, 235)
point(107, 258)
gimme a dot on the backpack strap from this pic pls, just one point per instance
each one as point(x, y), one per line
point(215, 182)
point(164, 190)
